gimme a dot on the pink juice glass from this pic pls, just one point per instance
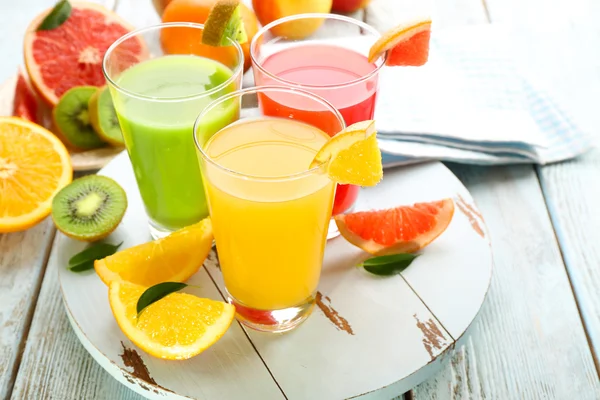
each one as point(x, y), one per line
point(331, 63)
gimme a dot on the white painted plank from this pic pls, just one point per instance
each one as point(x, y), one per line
point(55, 365)
point(572, 76)
point(23, 258)
point(528, 342)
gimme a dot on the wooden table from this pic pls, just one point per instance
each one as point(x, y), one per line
point(538, 334)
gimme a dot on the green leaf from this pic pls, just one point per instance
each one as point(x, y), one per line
point(389, 265)
point(85, 266)
point(81, 261)
point(157, 292)
point(59, 14)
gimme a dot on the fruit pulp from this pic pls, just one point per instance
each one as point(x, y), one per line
point(158, 132)
point(324, 69)
point(271, 229)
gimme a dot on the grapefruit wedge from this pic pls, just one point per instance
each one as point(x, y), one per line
point(25, 104)
point(406, 44)
point(404, 229)
point(71, 54)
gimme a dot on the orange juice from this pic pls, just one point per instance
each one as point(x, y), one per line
point(270, 224)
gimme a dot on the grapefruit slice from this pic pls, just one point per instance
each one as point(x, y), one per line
point(25, 103)
point(71, 54)
point(352, 156)
point(404, 229)
point(406, 44)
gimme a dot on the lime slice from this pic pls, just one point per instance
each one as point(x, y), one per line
point(224, 23)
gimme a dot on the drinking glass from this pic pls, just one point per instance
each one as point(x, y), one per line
point(157, 99)
point(270, 211)
point(331, 63)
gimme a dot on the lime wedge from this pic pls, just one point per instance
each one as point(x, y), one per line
point(224, 23)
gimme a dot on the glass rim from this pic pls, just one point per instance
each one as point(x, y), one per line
point(258, 89)
point(234, 76)
point(337, 17)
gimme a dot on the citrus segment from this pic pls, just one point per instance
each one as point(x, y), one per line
point(77, 47)
point(177, 327)
point(403, 229)
point(352, 156)
point(224, 23)
point(25, 104)
point(408, 44)
point(174, 258)
point(34, 166)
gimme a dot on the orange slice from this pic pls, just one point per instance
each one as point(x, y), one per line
point(403, 229)
point(171, 259)
point(408, 44)
point(34, 166)
point(177, 327)
point(352, 156)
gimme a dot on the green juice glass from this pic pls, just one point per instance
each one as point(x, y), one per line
point(157, 99)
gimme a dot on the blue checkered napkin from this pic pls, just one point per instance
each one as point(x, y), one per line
point(471, 105)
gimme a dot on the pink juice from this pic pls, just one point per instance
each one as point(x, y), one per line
point(341, 76)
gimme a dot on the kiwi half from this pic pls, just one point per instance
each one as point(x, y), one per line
point(224, 22)
point(103, 117)
point(72, 118)
point(89, 208)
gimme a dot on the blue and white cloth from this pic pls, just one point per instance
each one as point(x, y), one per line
point(471, 104)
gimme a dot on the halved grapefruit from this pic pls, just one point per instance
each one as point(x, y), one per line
point(406, 44)
point(71, 54)
point(404, 229)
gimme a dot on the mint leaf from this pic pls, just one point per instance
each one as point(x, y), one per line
point(157, 292)
point(389, 265)
point(84, 260)
point(59, 14)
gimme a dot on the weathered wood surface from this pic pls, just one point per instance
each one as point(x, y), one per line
point(518, 347)
point(528, 342)
point(23, 258)
point(572, 75)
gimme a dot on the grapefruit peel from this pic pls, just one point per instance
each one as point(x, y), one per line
point(395, 230)
point(407, 44)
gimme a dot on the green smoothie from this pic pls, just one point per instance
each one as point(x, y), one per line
point(158, 131)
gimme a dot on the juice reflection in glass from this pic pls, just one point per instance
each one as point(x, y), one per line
point(270, 213)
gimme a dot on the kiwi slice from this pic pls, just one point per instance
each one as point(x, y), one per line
point(89, 208)
point(103, 117)
point(224, 22)
point(72, 118)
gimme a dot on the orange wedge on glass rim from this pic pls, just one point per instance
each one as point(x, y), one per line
point(352, 156)
point(406, 44)
point(176, 327)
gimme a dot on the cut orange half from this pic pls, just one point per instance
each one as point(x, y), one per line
point(34, 166)
point(407, 44)
point(176, 327)
point(174, 258)
point(352, 156)
point(403, 229)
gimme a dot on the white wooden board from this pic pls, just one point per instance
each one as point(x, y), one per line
point(370, 337)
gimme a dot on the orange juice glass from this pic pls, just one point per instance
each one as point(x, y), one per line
point(270, 212)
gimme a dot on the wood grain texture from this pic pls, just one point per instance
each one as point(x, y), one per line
point(518, 348)
point(23, 259)
point(55, 365)
point(528, 342)
point(572, 77)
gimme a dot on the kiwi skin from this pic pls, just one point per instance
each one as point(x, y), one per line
point(67, 205)
point(98, 100)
